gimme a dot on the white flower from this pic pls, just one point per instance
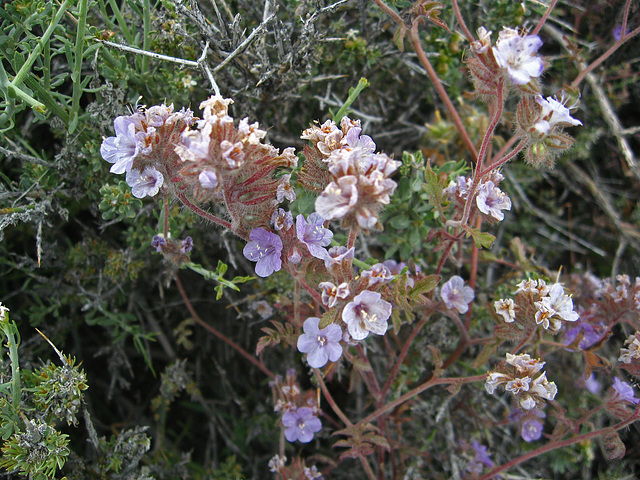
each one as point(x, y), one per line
point(517, 55)
point(553, 113)
point(506, 308)
point(628, 355)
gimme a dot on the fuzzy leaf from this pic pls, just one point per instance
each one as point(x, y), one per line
point(424, 286)
point(481, 239)
point(613, 445)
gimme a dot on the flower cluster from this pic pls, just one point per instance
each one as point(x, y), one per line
point(535, 301)
point(522, 377)
point(143, 142)
point(358, 182)
point(299, 409)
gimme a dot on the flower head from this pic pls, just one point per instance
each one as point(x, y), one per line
point(368, 313)
point(147, 182)
point(282, 219)
point(456, 295)
point(321, 344)
point(265, 248)
point(518, 56)
point(313, 234)
point(331, 293)
point(300, 424)
point(208, 179)
point(158, 242)
point(506, 308)
point(379, 273)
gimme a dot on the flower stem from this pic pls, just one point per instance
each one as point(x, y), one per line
point(218, 334)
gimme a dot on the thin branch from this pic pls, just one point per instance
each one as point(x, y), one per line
point(542, 20)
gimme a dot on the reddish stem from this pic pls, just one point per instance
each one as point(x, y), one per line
point(560, 444)
point(218, 334)
point(542, 20)
point(204, 214)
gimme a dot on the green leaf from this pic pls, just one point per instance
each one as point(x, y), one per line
point(424, 286)
point(481, 239)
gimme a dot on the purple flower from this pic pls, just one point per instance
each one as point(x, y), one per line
point(123, 148)
point(187, 245)
point(481, 459)
point(517, 55)
point(208, 179)
point(624, 391)
point(158, 242)
point(456, 295)
point(265, 248)
point(617, 33)
point(281, 219)
point(367, 313)
point(300, 425)
point(589, 337)
point(147, 182)
point(531, 430)
point(321, 344)
point(591, 384)
point(491, 200)
point(313, 234)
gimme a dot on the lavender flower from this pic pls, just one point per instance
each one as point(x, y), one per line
point(313, 234)
point(123, 148)
point(321, 344)
point(265, 248)
point(481, 459)
point(531, 430)
point(517, 55)
point(338, 198)
point(491, 200)
point(187, 245)
point(300, 424)
point(456, 295)
point(338, 256)
point(367, 313)
point(158, 242)
point(624, 391)
point(617, 33)
point(281, 219)
point(147, 182)
point(208, 179)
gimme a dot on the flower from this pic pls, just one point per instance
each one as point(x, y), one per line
point(481, 459)
point(367, 313)
point(531, 430)
point(312, 473)
point(265, 248)
point(379, 273)
point(281, 219)
point(331, 293)
point(553, 113)
point(285, 190)
point(124, 147)
point(3, 311)
point(506, 308)
point(521, 377)
point(632, 353)
point(313, 234)
point(624, 391)
point(158, 242)
point(321, 344)
point(208, 179)
point(337, 256)
point(277, 463)
point(491, 200)
point(617, 33)
point(147, 182)
point(555, 307)
point(338, 198)
point(517, 55)
point(456, 295)
point(590, 335)
point(186, 245)
point(300, 424)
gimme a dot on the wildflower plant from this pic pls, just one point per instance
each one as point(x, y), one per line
point(409, 328)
